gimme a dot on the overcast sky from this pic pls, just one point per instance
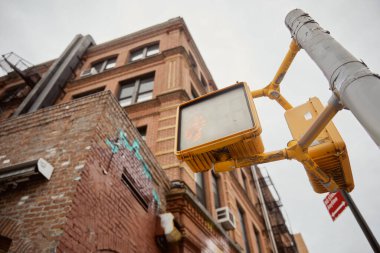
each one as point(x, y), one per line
point(240, 41)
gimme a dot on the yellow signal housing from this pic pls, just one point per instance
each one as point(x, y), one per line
point(217, 127)
point(328, 150)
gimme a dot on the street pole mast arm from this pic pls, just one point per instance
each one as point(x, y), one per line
point(350, 79)
point(272, 90)
point(297, 150)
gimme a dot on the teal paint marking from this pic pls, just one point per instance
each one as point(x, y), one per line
point(113, 147)
point(136, 148)
point(156, 197)
point(122, 141)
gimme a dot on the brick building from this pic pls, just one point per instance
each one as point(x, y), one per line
point(104, 116)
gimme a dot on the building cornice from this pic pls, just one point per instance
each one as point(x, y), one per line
point(182, 200)
point(165, 27)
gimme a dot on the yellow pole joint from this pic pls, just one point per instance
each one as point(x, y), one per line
point(272, 90)
point(295, 151)
point(259, 93)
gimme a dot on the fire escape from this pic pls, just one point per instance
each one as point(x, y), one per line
point(283, 237)
point(15, 67)
point(11, 62)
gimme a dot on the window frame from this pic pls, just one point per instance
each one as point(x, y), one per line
point(244, 228)
point(135, 84)
point(144, 52)
point(215, 190)
point(193, 92)
point(200, 188)
point(258, 239)
point(103, 62)
point(143, 130)
point(203, 81)
point(244, 180)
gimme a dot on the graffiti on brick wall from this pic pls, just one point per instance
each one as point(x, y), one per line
point(120, 144)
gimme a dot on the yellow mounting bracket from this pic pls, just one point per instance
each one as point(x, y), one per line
point(297, 150)
point(272, 90)
point(293, 151)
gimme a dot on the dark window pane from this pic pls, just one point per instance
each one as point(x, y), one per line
point(146, 85)
point(199, 183)
point(137, 55)
point(144, 97)
point(243, 229)
point(258, 242)
point(125, 101)
point(152, 50)
point(142, 130)
point(98, 66)
point(127, 90)
point(111, 63)
point(203, 81)
point(244, 180)
point(215, 191)
point(136, 90)
point(194, 93)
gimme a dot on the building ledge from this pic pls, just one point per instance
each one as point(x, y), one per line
point(182, 192)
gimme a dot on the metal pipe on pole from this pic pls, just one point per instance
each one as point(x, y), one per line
point(357, 88)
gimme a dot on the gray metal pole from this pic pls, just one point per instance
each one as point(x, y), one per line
point(362, 223)
point(350, 79)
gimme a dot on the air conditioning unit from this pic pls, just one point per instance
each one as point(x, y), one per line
point(88, 72)
point(14, 174)
point(226, 218)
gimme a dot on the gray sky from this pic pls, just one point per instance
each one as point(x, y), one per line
point(240, 41)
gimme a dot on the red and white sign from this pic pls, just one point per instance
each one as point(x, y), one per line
point(335, 204)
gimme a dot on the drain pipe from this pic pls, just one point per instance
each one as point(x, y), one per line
point(264, 209)
point(357, 88)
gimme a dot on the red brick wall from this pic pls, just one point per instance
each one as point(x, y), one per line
point(85, 206)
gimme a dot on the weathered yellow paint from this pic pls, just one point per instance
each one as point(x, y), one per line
point(325, 146)
point(272, 90)
point(238, 145)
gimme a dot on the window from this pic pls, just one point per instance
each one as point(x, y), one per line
point(193, 63)
point(104, 65)
point(215, 190)
point(144, 52)
point(100, 66)
point(137, 190)
point(88, 92)
point(258, 241)
point(243, 229)
point(142, 131)
point(203, 81)
point(136, 90)
point(200, 187)
point(194, 93)
point(5, 244)
point(244, 178)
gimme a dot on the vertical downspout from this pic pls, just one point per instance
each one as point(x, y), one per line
point(264, 208)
